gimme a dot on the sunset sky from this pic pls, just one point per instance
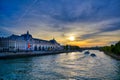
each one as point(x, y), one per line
point(83, 23)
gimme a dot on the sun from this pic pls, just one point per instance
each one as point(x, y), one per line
point(71, 38)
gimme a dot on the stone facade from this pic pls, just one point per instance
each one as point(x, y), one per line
point(26, 42)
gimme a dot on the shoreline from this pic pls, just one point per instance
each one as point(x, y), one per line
point(11, 55)
point(117, 57)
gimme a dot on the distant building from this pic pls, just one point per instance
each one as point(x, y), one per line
point(26, 42)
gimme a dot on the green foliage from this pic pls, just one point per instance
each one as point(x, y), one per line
point(69, 47)
point(113, 48)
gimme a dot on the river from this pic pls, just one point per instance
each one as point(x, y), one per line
point(73, 65)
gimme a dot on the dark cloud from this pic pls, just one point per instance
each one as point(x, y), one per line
point(110, 27)
point(88, 10)
point(60, 10)
point(105, 29)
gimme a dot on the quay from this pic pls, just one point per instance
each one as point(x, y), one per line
point(12, 55)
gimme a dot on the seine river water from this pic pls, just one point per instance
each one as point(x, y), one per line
point(74, 65)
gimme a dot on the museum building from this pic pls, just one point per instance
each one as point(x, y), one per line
point(26, 42)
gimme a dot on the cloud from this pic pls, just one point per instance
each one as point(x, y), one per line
point(4, 32)
point(84, 19)
point(111, 27)
point(82, 11)
point(104, 29)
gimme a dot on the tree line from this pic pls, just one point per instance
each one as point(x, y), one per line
point(115, 49)
point(69, 47)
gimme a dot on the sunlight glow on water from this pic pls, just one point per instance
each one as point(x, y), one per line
point(75, 65)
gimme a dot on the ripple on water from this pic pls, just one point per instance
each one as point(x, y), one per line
point(75, 65)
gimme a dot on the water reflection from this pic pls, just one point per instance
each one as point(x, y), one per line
point(75, 65)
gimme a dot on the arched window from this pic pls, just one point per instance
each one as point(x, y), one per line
point(39, 48)
point(43, 48)
point(35, 48)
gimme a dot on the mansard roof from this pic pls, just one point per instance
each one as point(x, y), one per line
point(29, 37)
point(15, 37)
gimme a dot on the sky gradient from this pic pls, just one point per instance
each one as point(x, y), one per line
point(91, 22)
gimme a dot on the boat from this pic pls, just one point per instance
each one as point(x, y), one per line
point(87, 52)
point(93, 55)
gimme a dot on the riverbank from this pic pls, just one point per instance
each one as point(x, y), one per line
point(113, 50)
point(11, 55)
point(117, 57)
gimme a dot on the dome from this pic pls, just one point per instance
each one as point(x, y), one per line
point(53, 41)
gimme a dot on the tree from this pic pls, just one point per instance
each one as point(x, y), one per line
point(113, 48)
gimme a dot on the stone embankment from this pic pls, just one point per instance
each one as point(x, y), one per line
point(8, 55)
